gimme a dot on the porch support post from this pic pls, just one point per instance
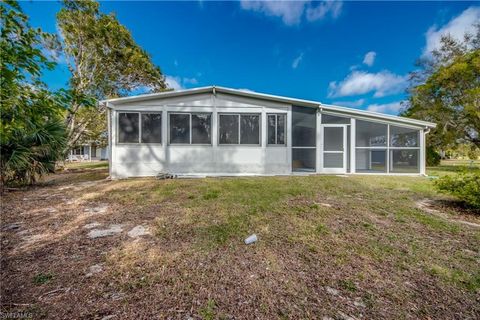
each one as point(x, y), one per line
point(319, 147)
point(352, 145)
point(422, 159)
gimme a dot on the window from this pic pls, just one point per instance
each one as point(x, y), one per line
point(304, 135)
point(371, 134)
point(128, 127)
point(190, 128)
point(403, 137)
point(404, 150)
point(249, 129)
point(371, 160)
point(404, 161)
point(304, 127)
point(239, 129)
point(400, 153)
point(180, 128)
point(136, 127)
point(201, 128)
point(371, 146)
point(329, 119)
point(228, 129)
point(151, 128)
point(276, 129)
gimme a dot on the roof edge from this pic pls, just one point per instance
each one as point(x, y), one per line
point(263, 96)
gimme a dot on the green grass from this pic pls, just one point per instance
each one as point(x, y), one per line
point(208, 311)
point(87, 165)
point(42, 278)
point(363, 235)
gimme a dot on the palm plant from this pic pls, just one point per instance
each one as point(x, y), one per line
point(32, 152)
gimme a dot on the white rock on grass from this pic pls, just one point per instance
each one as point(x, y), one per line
point(92, 225)
point(101, 208)
point(358, 303)
point(344, 316)
point(99, 233)
point(332, 291)
point(138, 231)
point(96, 268)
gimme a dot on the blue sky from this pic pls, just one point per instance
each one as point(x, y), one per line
point(355, 54)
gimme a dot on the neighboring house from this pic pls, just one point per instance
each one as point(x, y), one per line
point(88, 152)
point(219, 131)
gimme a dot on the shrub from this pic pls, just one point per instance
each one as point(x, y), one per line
point(465, 186)
point(31, 152)
point(433, 157)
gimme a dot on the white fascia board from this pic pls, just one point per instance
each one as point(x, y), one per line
point(159, 95)
point(376, 115)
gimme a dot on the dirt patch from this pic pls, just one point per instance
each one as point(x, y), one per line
point(436, 208)
point(329, 248)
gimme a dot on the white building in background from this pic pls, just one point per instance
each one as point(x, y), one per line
point(88, 152)
point(215, 131)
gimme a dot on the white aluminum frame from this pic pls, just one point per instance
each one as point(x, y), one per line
point(190, 128)
point(239, 114)
point(117, 127)
point(342, 170)
point(276, 144)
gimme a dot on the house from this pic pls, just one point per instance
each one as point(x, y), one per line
point(88, 152)
point(214, 131)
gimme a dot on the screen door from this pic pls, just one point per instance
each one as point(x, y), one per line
point(334, 148)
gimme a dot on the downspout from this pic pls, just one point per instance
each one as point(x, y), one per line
point(425, 132)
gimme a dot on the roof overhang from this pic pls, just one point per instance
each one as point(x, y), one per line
point(112, 103)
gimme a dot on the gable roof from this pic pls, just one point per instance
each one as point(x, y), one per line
point(111, 103)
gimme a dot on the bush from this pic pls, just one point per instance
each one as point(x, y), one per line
point(433, 157)
point(465, 186)
point(31, 152)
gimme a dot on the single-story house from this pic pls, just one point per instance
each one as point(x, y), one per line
point(216, 131)
point(88, 152)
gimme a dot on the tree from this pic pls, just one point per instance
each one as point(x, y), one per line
point(104, 61)
point(446, 90)
point(32, 135)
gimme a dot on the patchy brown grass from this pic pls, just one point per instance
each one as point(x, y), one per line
point(328, 247)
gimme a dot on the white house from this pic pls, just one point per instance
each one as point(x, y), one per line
point(88, 152)
point(216, 131)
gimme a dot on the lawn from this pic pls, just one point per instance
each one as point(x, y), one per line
point(365, 247)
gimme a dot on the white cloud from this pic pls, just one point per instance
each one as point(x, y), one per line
point(291, 12)
point(393, 107)
point(332, 8)
point(245, 90)
point(297, 61)
point(360, 82)
point(178, 83)
point(456, 28)
point(350, 104)
point(174, 83)
point(190, 81)
point(369, 58)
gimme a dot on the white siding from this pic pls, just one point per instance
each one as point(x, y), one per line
point(130, 160)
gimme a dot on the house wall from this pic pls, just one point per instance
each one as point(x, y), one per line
point(149, 159)
point(131, 160)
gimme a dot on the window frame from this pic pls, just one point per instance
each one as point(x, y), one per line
point(139, 128)
point(389, 148)
point(190, 127)
point(276, 144)
point(239, 114)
